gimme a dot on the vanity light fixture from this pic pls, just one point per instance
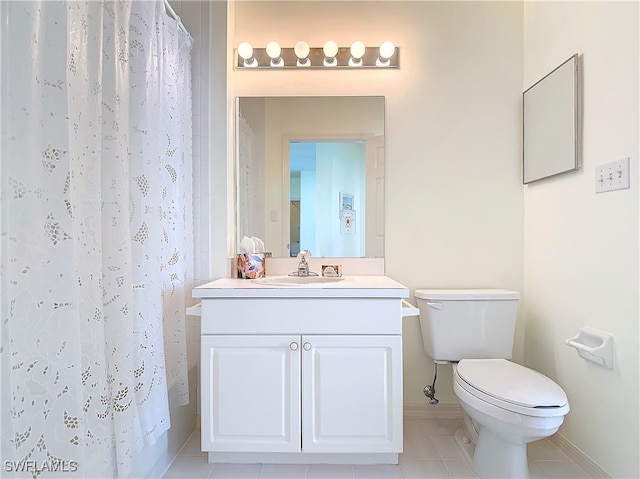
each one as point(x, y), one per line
point(245, 54)
point(330, 55)
point(274, 51)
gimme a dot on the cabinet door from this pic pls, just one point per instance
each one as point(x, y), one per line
point(352, 394)
point(250, 393)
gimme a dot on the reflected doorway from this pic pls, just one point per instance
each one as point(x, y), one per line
point(327, 202)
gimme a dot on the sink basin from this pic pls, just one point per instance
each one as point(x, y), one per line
point(295, 280)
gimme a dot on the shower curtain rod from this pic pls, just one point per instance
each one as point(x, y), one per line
point(172, 12)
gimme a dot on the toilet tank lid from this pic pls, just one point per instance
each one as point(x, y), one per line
point(466, 294)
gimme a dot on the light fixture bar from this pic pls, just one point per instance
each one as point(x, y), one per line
point(316, 58)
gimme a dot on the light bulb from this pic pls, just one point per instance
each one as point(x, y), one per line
point(330, 51)
point(274, 50)
point(245, 51)
point(387, 49)
point(301, 49)
point(357, 52)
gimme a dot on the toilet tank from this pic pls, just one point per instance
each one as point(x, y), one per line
point(467, 323)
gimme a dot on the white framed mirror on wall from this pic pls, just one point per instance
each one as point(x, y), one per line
point(551, 123)
point(310, 174)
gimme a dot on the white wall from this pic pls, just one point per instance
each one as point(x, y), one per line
point(454, 206)
point(340, 169)
point(581, 249)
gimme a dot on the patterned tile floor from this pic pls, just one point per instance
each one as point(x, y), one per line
point(429, 452)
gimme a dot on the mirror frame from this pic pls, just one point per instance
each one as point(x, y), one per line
point(551, 123)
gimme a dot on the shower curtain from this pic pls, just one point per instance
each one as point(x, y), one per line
point(96, 233)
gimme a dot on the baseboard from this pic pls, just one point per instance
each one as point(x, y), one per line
point(302, 458)
point(579, 458)
point(424, 411)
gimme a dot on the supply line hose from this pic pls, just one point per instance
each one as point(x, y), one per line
point(430, 390)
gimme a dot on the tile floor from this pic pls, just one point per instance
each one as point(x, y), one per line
point(429, 452)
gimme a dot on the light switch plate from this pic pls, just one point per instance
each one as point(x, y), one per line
point(612, 176)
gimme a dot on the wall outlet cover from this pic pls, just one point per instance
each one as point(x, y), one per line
point(612, 176)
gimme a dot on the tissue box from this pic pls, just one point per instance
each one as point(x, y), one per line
point(252, 265)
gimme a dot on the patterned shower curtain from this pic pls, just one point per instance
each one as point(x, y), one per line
point(96, 233)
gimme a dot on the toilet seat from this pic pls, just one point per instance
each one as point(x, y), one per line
point(512, 387)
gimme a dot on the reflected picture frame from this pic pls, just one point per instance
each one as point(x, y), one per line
point(346, 201)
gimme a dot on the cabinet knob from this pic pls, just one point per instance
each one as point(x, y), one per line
point(293, 346)
point(306, 346)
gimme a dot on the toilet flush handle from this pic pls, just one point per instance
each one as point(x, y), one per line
point(435, 305)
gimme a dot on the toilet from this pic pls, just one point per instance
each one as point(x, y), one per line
point(505, 405)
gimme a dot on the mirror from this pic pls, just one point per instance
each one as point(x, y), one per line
point(551, 123)
point(310, 174)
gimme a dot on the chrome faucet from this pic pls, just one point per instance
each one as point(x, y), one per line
point(303, 266)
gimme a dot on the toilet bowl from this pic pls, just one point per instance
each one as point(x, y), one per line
point(508, 406)
point(505, 405)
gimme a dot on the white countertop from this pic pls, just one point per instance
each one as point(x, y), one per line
point(349, 287)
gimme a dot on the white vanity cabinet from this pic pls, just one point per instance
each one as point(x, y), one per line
point(301, 375)
point(250, 393)
point(351, 393)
